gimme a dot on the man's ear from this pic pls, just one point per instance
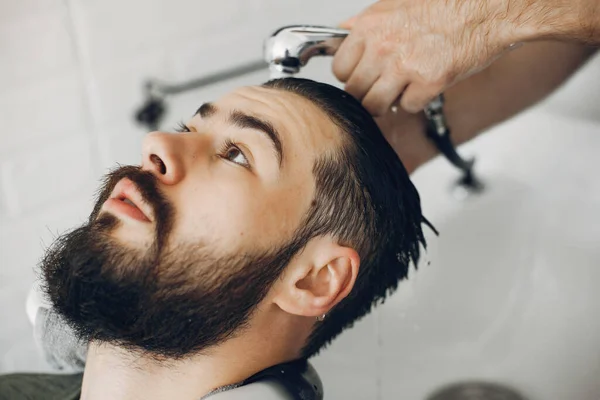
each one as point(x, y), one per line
point(317, 278)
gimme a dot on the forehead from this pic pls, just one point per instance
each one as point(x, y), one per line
point(305, 129)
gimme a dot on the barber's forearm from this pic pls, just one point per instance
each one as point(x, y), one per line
point(555, 19)
point(510, 85)
point(515, 82)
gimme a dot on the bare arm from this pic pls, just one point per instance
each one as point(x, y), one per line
point(577, 20)
point(511, 84)
point(413, 50)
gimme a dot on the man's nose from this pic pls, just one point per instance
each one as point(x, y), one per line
point(163, 154)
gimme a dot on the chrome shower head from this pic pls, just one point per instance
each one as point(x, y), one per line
point(289, 48)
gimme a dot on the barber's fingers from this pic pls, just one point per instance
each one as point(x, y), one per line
point(349, 23)
point(347, 57)
point(363, 77)
point(416, 97)
point(384, 94)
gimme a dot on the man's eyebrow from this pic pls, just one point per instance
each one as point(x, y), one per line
point(246, 121)
point(206, 110)
point(243, 120)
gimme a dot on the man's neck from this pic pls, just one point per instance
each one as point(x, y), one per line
point(114, 373)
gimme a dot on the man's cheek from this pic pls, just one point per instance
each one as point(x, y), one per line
point(275, 219)
point(251, 222)
point(220, 219)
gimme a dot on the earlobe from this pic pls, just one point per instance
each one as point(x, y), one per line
point(322, 276)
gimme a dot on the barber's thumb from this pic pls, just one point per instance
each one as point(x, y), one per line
point(348, 24)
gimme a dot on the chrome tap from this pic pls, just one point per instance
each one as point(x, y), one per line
point(289, 48)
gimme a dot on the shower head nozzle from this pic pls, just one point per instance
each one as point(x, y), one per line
point(289, 48)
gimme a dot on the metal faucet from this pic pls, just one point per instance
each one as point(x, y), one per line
point(289, 48)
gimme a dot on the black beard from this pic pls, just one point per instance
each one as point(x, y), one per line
point(164, 304)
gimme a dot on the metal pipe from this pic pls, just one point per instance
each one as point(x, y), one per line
point(156, 88)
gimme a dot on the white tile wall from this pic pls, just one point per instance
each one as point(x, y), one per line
point(37, 114)
point(71, 75)
point(34, 45)
point(48, 175)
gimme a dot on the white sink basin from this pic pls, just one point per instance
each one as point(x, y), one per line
point(510, 294)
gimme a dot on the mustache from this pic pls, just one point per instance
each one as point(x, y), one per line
point(148, 185)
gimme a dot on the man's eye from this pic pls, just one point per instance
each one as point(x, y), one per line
point(181, 127)
point(231, 152)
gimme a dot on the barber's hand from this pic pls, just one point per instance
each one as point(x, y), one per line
point(415, 49)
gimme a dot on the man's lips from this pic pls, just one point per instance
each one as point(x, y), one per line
point(126, 198)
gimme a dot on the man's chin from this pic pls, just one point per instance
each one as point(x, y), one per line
point(131, 236)
point(169, 304)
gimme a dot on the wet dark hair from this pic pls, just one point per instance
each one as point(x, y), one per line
point(365, 199)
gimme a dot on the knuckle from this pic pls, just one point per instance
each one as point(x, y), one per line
point(373, 103)
point(340, 67)
point(351, 85)
point(398, 67)
point(352, 88)
point(339, 70)
point(410, 104)
point(374, 108)
point(385, 48)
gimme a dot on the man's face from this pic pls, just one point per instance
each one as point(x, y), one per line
point(230, 182)
point(219, 205)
